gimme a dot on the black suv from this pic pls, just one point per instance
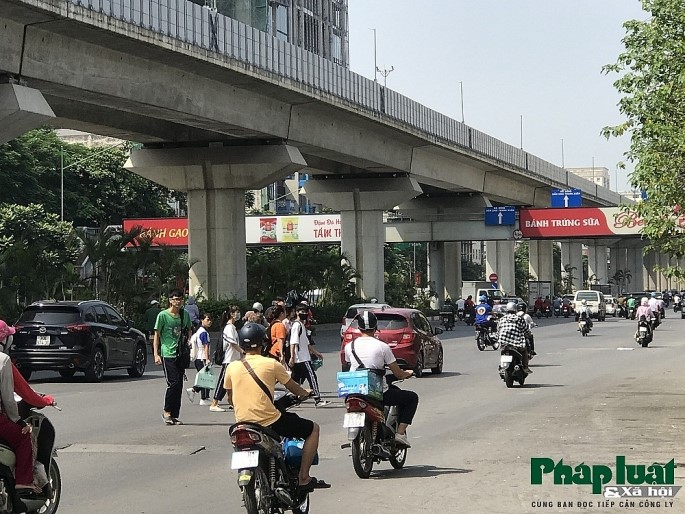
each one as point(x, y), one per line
point(87, 336)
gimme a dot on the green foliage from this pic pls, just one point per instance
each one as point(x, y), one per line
point(472, 270)
point(399, 289)
point(521, 269)
point(651, 81)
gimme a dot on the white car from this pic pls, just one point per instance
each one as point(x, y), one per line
point(612, 308)
point(355, 309)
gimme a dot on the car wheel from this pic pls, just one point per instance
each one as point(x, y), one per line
point(438, 365)
point(96, 370)
point(418, 369)
point(138, 368)
point(67, 373)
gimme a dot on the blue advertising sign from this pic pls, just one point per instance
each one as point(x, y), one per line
point(505, 215)
point(566, 198)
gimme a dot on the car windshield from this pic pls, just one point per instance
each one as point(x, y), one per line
point(50, 316)
point(495, 294)
point(586, 295)
point(387, 322)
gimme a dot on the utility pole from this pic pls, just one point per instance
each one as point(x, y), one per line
point(562, 154)
point(385, 73)
point(375, 60)
point(461, 94)
point(521, 131)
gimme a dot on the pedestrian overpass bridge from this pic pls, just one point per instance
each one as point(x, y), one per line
point(222, 107)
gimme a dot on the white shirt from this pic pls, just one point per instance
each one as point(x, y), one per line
point(460, 304)
point(654, 304)
point(373, 353)
point(201, 348)
point(299, 337)
point(529, 321)
point(230, 337)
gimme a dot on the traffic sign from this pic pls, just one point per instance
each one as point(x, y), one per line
point(505, 215)
point(493, 277)
point(567, 198)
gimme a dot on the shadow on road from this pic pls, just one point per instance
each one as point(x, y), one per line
point(82, 379)
point(418, 472)
point(544, 365)
point(540, 386)
point(443, 375)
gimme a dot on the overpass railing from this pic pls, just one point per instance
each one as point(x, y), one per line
point(201, 27)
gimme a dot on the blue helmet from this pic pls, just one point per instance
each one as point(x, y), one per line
point(483, 298)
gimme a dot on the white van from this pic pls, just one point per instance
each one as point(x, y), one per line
point(595, 301)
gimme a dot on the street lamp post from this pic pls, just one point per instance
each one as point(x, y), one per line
point(375, 61)
point(385, 73)
point(461, 94)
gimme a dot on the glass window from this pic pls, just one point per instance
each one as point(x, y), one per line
point(391, 322)
point(114, 316)
point(101, 315)
point(89, 316)
point(50, 315)
point(282, 23)
point(336, 49)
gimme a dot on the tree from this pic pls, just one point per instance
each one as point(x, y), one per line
point(521, 270)
point(651, 82)
point(568, 278)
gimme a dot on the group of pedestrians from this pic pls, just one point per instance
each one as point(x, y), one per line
point(289, 330)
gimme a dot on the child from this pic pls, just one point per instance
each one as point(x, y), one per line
point(200, 342)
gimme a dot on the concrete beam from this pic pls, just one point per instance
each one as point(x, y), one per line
point(21, 109)
point(232, 167)
point(448, 230)
point(350, 193)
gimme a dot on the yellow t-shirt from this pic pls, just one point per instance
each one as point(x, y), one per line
point(250, 404)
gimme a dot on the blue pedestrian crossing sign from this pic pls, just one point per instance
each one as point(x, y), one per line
point(505, 215)
point(566, 198)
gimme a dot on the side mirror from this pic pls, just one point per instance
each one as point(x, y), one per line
point(437, 331)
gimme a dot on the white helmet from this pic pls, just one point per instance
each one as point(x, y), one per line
point(257, 307)
point(511, 307)
point(644, 301)
point(583, 302)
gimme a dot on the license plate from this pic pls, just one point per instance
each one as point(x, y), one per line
point(582, 323)
point(354, 420)
point(243, 460)
point(506, 359)
point(643, 329)
point(43, 341)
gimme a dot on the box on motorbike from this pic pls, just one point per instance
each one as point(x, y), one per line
point(292, 451)
point(362, 381)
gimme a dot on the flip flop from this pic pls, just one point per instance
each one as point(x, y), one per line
point(314, 483)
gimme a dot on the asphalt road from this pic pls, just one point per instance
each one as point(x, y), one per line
point(588, 400)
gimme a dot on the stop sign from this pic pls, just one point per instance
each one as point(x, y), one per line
point(493, 277)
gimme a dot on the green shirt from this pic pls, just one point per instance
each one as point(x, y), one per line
point(169, 328)
point(150, 318)
point(631, 302)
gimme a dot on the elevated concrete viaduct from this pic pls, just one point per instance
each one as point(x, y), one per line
point(222, 107)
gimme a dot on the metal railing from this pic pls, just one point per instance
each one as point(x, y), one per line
point(215, 33)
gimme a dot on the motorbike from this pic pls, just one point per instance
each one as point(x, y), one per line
point(46, 471)
point(268, 466)
point(371, 431)
point(460, 314)
point(631, 312)
point(511, 365)
point(656, 321)
point(583, 324)
point(557, 311)
point(486, 336)
point(676, 304)
point(566, 310)
point(468, 318)
point(447, 320)
point(643, 336)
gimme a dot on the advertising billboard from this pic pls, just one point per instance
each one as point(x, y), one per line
point(580, 222)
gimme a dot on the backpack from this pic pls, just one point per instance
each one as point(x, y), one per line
point(219, 353)
point(268, 342)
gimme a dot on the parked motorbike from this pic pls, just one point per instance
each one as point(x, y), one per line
point(511, 365)
point(268, 466)
point(447, 320)
point(46, 470)
point(643, 336)
point(486, 336)
point(371, 431)
point(583, 324)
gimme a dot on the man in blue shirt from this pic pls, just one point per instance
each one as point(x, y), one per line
point(484, 314)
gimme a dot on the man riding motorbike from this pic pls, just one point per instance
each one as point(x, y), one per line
point(531, 325)
point(584, 308)
point(374, 354)
point(484, 314)
point(513, 330)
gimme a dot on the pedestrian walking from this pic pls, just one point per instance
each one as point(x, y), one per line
point(301, 352)
point(149, 320)
point(230, 345)
point(172, 328)
point(200, 341)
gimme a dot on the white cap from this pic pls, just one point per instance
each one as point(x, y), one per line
point(153, 302)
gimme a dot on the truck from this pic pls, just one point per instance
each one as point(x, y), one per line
point(478, 288)
point(538, 288)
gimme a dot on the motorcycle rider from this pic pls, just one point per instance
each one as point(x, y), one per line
point(460, 305)
point(484, 315)
point(645, 310)
point(521, 308)
point(584, 307)
point(376, 355)
point(655, 306)
point(251, 404)
point(631, 303)
point(513, 330)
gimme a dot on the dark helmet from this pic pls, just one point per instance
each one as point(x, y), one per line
point(366, 320)
point(252, 335)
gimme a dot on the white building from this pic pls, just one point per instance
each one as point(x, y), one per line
point(598, 175)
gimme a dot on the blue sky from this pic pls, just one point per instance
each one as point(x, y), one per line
point(538, 58)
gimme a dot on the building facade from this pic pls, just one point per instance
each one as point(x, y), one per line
point(599, 176)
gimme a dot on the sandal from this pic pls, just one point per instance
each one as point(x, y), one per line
point(314, 483)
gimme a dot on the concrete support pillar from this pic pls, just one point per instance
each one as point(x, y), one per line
point(361, 202)
point(597, 263)
point(572, 259)
point(216, 179)
point(436, 272)
point(21, 109)
point(636, 264)
point(540, 262)
point(651, 276)
point(363, 237)
point(453, 270)
point(499, 258)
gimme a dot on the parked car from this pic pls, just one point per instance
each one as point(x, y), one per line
point(355, 309)
point(409, 334)
point(67, 337)
point(612, 307)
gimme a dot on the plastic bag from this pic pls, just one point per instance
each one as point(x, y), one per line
point(206, 378)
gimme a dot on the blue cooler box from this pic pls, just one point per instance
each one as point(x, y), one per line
point(360, 382)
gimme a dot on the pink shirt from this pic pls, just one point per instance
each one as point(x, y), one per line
point(643, 310)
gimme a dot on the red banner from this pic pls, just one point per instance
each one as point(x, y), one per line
point(578, 222)
point(162, 231)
